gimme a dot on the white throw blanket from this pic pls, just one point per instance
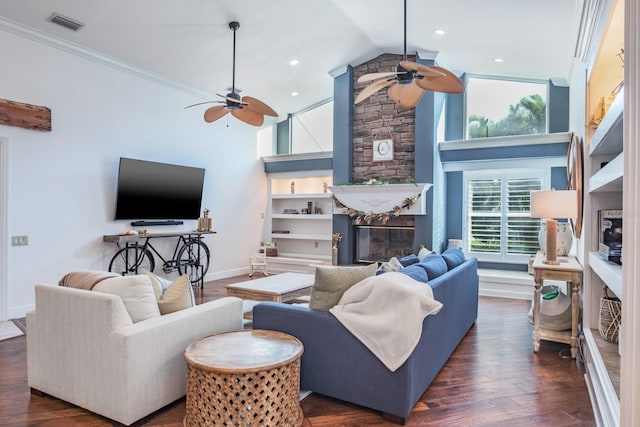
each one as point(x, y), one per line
point(385, 313)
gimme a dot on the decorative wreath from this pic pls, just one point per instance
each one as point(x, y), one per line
point(368, 217)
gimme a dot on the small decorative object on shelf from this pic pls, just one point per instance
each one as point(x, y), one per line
point(324, 187)
point(270, 249)
point(610, 234)
point(293, 187)
point(335, 239)
point(204, 222)
point(610, 316)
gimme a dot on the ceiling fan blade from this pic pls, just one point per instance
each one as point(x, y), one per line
point(248, 116)
point(371, 89)
point(202, 103)
point(406, 95)
point(447, 84)
point(425, 70)
point(258, 106)
point(374, 76)
point(214, 113)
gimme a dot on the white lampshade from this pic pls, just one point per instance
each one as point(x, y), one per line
point(554, 204)
point(550, 205)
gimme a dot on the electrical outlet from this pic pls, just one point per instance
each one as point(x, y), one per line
point(19, 240)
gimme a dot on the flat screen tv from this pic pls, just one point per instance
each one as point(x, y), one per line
point(158, 191)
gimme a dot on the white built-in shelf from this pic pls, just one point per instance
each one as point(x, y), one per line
point(301, 258)
point(609, 272)
point(609, 178)
point(607, 139)
point(603, 376)
point(297, 236)
point(302, 216)
point(301, 196)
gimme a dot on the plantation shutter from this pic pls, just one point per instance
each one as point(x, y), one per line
point(498, 222)
point(485, 215)
point(522, 230)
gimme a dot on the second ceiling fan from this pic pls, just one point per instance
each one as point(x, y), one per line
point(249, 110)
point(410, 79)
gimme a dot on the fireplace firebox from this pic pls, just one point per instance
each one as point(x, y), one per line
point(379, 243)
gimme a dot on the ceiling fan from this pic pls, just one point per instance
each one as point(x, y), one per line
point(410, 79)
point(249, 110)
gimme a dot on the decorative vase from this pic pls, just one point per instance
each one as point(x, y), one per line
point(334, 255)
point(565, 238)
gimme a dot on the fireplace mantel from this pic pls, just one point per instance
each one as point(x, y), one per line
point(379, 198)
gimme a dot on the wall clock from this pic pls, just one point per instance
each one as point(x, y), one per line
point(575, 177)
point(383, 150)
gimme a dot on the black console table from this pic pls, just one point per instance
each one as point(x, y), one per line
point(191, 256)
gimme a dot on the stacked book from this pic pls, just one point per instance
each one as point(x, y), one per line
point(610, 235)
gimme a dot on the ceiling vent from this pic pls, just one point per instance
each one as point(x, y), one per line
point(66, 22)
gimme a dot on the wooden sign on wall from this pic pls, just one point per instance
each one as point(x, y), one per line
point(26, 116)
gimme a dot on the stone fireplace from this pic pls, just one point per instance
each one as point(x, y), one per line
point(356, 130)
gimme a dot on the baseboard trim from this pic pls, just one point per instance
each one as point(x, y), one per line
point(505, 284)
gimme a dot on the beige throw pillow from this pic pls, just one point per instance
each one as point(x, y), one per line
point(332, 281)
point(178, 296)
point(136, 293)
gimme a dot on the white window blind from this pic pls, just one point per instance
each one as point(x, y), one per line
point(498, 226)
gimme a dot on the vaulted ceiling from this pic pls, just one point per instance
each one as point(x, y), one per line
point(189, 41)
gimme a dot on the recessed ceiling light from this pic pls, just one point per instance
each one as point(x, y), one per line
point(498, 60)
point(294, 62)
point(294, 94)
point(440, 32)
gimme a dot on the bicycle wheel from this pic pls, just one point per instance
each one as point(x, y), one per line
point(193, 260)
point(125, 262)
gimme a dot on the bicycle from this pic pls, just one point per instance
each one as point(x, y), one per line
point(191, 256)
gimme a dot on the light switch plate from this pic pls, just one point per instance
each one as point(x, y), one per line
point(19, 240)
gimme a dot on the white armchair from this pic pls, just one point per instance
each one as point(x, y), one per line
point(82, 347)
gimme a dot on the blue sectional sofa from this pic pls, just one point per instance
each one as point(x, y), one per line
point(338, 365)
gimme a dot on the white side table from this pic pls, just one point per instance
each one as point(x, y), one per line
point(569, 270)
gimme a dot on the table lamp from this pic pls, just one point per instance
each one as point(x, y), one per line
point(551, 205)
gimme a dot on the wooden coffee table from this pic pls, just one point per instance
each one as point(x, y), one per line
point(279, 288)
point(244, 378)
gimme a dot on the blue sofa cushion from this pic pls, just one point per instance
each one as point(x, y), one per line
point(409, 259)
point(434, 265)
point(453, 257)
point(416, 272)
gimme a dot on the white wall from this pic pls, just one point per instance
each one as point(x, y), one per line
point(61, 184)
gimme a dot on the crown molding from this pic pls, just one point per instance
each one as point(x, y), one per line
point(24, 31)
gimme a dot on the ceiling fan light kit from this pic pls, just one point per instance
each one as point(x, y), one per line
point(409, 80)
point(247, 109)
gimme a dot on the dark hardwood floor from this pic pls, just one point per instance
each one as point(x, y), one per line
point(492, 379)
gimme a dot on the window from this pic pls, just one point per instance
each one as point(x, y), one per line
point(497, 222)
point(312, 129)
point(505, 107)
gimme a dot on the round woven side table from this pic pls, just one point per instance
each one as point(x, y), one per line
point(244, 378)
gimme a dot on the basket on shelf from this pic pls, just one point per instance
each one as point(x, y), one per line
point(609, 321)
